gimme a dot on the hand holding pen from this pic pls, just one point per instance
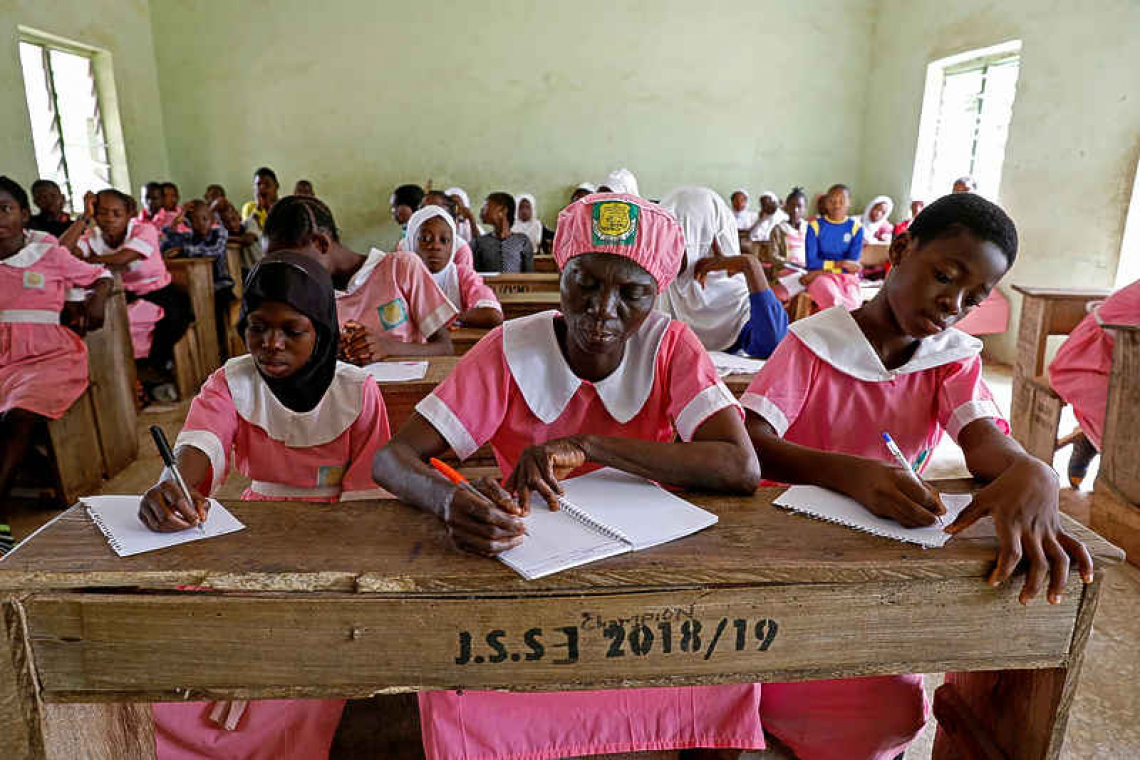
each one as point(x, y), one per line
point(896, 452)
point(171, 505)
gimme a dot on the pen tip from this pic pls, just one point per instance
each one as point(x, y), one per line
point(886, 436)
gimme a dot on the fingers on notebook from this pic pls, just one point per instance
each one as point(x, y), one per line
point(164, 509)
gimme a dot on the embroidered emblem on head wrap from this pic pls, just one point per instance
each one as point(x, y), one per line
point(615, 223)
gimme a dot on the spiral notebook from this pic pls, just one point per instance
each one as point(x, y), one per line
point(117, 517)
point(823, 504)
point(604, 513)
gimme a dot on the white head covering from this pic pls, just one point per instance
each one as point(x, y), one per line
point(533, 228)
point(589, 187)
point(865, 220)
point(621, 181)
point(464, 226)
point(461, 193)
point(765, 223)
point(447, 278)
point(718, 311)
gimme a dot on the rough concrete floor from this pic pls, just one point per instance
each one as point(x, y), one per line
point(1105, 719)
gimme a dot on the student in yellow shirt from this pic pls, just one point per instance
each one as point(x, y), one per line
point(265, 188)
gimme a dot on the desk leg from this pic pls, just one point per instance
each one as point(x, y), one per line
point(1025, 712)
point(34, 730)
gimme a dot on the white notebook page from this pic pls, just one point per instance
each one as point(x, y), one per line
point(557, 541)
point(117, 517)
point(396, 372)
point(837, 508)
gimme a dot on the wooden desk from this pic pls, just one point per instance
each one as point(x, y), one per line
point(1116, 500)
point(380, 601)
point(111, 372)
point(874, 254)
point(517, 305)
point(1044, 312)
point(400, 398)
point(196, 276)
point(465, 338)
point(523, 282)
point(545, 263)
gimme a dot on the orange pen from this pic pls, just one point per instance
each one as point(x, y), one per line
point(454, 475)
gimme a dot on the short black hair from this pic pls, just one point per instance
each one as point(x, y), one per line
point(44, 183)
point(968, 212)
point(507, 201)
point(127, 201)
point(839, 186)
point(152, 185)
point(265, 171)
point(170, 185)
point(445, 201)
point(294, 220)
point(12, 187)
point(408, 195)
point(797, 192)
point(216, 186)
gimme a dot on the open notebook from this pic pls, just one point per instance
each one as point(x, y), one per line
point(837, 508)
point(396, 372)
point(117, 517)
point(604, 513)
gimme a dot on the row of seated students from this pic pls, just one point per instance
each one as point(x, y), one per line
point(608, 381)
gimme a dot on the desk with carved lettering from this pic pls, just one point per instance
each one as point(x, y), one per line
point(378, 601)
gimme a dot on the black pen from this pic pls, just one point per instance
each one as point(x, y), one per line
point(168, 458)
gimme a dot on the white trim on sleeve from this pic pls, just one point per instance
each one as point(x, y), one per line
point(432, 323)
point(210, 445)
point(488, 303)
point(763, 406)
point(705, 404)
point(970, 411)
point(434, 410)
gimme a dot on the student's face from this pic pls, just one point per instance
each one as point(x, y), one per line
point(934, 286)
point(401, 212)
point(836, 203)
point(170, 198)
point(48, 199)
point(265, 188)
point(794, 207)
point(579, 193)
point(433, 243)
point(231, 219)
point(12, 218)
point(457, 200)
point(526, 211)
point(739, 202)
point(916, 208)
point(878, 211)
point(768, 205)
point(201, 219)
point(605, 299)
point(153, 199)
point(961, 187)
point(280, 338)
point(111, 216)
point(488, 213)
point(303, 188)
point(213, 192)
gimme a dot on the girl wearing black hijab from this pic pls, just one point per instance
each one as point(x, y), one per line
point(303, 427)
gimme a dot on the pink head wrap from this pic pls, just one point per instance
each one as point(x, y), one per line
point(624, 225)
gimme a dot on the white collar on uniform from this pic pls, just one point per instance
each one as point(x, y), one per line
point(36, 244)
point(375, 256)
point(333, 414)
point(547, 383)
point(99, 247)
point(834, 336)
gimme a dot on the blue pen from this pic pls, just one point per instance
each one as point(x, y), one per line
point(896, 452)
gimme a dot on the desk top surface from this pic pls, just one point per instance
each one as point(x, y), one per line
point(388, 547)
point(1063, 294)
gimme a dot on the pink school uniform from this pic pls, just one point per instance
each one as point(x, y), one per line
point(323, 455)
point(826, 388)
point(43, 365)
point(1080, 371)
point(515, 388)
point(394, 294)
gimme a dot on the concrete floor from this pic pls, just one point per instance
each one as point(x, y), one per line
point(1105, 718)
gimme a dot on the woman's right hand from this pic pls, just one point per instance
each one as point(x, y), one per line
point(164, 509)
point(89, 199)
point(893, 493)
point(487, 524)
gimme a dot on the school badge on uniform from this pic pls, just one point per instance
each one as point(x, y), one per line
point(615, 223)
point(329, 475)
point(393, 314)
point(34, 280)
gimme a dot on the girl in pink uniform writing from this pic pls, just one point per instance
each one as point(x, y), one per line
point(607, 381)
point(303, 427)
point(816, 412)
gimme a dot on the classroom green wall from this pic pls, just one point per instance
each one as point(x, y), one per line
point(120, 27)
point(516, 95)
point(1074, 138)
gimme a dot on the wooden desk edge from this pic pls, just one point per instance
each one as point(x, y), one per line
point(1062, 294)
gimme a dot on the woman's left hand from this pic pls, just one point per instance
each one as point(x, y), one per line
point(1023, 504)
point(541, 466)
point(362, 346)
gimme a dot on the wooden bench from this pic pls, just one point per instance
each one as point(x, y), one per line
point(545, 263)
point(1044, 312)
point(1116, 496)
point(112, 377)
point(196, 277)
point(517, 305)
point(77, 458)
point(522, 282)
point(465, 338)
point(379, 601)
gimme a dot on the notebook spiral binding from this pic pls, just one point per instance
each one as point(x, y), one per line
point(571, 509)
point(98, 520)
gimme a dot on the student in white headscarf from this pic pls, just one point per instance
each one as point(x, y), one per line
point(770, 215)
point(431, 236)
point(584, 189)
point(722, 295)
point(745, 218)
point(527, 221)
point(467, 225)
point(620, 181)
point(875, 220)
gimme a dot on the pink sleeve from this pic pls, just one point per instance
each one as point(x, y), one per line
point(476, 294)
point(463, 258)
point(1122, 307)
point(84, 244)
point(143, 240)
point(211, 427)
point(428, 306)
point(366, 436)
point(780, 388)
point(695, 389)
point(468, 408)
point(963, 397)
point(77, 273)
